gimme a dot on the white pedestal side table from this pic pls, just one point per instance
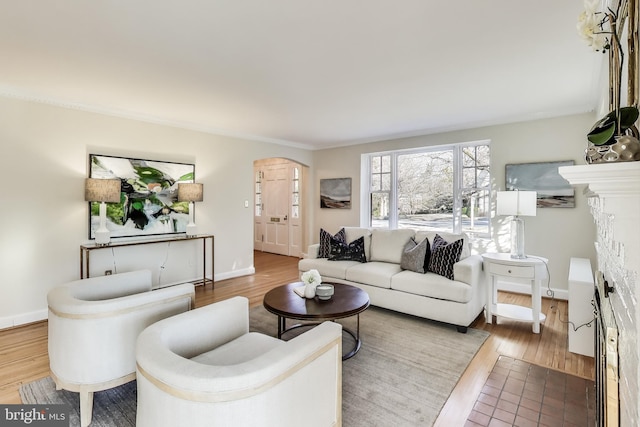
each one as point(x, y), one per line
point(534, 269)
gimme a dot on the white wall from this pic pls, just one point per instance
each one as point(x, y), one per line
point(44, 160)
point(557, 234)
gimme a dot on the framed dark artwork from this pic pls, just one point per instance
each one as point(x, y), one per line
point(335, 193)
point(148, 196)
point(553, 190)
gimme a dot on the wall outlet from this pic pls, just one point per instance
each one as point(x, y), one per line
point(108, 272)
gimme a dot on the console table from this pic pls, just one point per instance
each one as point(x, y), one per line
point(86, 249)
point(531, 268)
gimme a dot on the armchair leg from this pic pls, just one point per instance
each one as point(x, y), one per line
point(86, 408)
point(462, 329)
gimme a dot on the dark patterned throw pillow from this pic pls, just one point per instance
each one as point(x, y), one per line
point(325, 241)
point(444, 255)
point(413, 255)
point(353, 251)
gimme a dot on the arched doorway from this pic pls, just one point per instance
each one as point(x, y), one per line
point(279, 211)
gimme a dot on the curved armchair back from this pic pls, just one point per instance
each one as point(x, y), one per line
point(94, 323)
point(193, 372)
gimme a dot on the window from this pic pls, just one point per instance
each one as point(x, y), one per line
point(444, 188)
point(295, 193)
point(380, 190)
point(258, 193)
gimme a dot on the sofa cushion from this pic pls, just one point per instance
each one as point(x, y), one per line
point(413, 256)
point(444, 255)
point(373, 273)
point(353, 233)
point(388, 245)
point(326, 268)
point(242, 349)
point(325, 241)
point(449, 237)
point(432, 285)
point(353, 251)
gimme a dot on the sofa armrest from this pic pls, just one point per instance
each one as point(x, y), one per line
point(312, 252)
point(469, 270)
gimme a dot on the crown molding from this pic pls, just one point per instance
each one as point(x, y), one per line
point(23, 95)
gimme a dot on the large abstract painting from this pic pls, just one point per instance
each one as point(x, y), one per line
point(553, 190)
point(148, 199)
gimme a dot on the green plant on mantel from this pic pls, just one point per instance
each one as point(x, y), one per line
point(616, 123)
point(599, 30)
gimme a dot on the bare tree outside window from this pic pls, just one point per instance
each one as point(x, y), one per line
point(440, 189)
point(425, 190)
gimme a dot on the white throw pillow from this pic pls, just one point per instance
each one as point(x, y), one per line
point(388, 245)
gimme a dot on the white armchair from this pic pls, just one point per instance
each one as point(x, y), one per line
point(204, 368)
point(93, 327)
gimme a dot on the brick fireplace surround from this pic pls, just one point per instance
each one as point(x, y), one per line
point(614, 198)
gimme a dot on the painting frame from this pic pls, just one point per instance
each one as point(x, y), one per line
point(553, 190)
point(149, 203)
point(335, 193)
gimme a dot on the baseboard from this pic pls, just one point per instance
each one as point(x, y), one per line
point(23, 319)
point(235, 273)
point(520, 288)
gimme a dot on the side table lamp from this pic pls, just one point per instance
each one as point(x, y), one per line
point(103, 191)
point(518, 204)
point(191, 193)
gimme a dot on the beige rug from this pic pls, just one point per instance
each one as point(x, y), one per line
point(402, 376)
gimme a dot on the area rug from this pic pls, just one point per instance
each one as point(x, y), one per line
point(402, 375)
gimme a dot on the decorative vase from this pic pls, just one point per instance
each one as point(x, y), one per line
point(625, 149)
point(310, 290)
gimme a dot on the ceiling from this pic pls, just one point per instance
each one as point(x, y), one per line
point(313, 74)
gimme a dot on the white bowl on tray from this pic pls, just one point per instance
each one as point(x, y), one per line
point(324, 291)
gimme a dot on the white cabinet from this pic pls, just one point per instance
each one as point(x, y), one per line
point(581, 288)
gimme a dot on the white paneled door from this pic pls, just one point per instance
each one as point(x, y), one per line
point(278, 223)
point(275, 196)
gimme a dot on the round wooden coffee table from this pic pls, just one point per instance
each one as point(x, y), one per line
point(346, 301)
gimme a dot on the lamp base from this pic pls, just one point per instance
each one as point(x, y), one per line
point(192, 230)
point(103, 237)
point(517, 238)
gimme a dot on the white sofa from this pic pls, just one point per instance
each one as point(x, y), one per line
point(93, 327)
point(204, 368)
point(428, 295)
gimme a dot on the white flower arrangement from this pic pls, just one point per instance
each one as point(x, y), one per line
point(311, 277)
point(591, 26)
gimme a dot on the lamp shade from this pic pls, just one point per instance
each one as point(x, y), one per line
point(519, 203)
point(190, 192)
point(102, 190)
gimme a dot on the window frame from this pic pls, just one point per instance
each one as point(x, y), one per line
point(458, 181)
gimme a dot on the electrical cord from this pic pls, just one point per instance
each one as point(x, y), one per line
point(162, 266)
point(113, 257)
point(551, 294)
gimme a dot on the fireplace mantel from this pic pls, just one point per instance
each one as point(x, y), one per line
point(614, 199)
point(606, 179)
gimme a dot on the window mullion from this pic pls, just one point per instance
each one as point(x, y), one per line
point(365, 196)
point(457, 184)
point(393, 193)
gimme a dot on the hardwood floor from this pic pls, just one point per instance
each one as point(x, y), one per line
point(23, 350)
